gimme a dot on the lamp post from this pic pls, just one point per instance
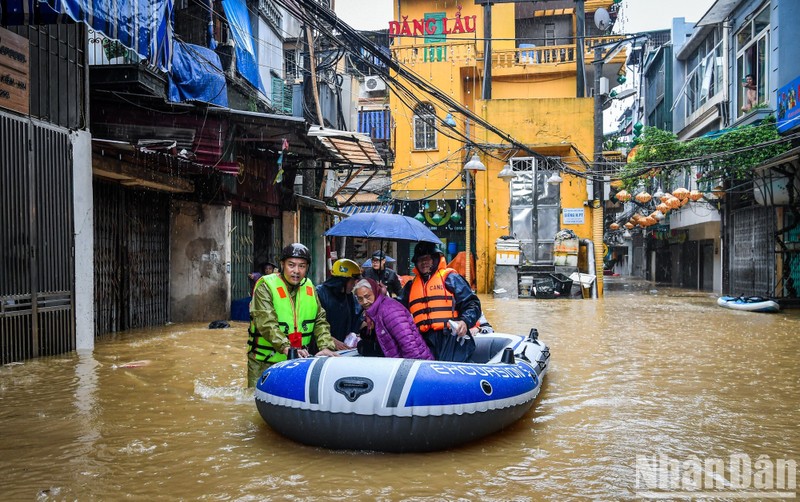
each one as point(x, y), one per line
point(474, 164)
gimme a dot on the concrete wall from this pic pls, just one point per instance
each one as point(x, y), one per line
point(200, 256)
point(83, 211)
point(785, 16)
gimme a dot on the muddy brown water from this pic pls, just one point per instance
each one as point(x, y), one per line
point(163, 413)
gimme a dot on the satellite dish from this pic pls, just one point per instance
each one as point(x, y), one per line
point(602, 19)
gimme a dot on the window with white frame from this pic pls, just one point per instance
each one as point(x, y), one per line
point(704, 73)
point(752, 63)
point(424, 130)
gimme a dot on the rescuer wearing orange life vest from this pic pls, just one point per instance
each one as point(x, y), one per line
point(285, 313)
point(437, 295)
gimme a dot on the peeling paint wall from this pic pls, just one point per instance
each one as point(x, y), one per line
point(200, 262)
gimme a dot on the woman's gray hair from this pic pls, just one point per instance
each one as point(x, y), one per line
point(363, 283)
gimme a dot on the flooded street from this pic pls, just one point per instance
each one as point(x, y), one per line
point(163, 413)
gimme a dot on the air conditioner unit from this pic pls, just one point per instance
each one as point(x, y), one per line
point(374, 84)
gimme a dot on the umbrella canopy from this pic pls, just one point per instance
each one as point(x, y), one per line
point(391, 227)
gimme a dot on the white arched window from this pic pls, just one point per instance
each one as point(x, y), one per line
point(424, 132)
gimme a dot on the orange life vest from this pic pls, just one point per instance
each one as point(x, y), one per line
point(430, 303)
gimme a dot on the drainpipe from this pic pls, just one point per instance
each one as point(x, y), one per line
point(590, 260)
point(726, 82)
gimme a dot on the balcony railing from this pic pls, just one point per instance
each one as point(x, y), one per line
point(467, 53)
point(548, 55)
point(462, 52)
point(103, 51)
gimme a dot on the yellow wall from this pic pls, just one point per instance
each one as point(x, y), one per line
point(535, 107)
point(549, 126)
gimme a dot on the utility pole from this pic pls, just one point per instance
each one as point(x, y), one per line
point(580, 35)
point(487, 51)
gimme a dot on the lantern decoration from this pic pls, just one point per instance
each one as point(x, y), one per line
point(650, 220)
point(614, 226)
point(621, 79)
point(684, 201)
point(623, 196)
point(436, 218)
point(629, 225)
point(658, 215)
point(695, 195)
point(673, 202)
point(420, 217)
point(616, 184)
point(455, 217)
point(643, 197)
point(680, 193)
point(636, 217)
point(666, 197)
point(663, 207)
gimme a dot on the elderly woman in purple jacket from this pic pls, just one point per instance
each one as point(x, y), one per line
point(391, 323)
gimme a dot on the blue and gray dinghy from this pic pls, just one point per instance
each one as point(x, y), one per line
point(403, 405)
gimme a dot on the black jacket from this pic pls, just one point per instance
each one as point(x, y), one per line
point(387, 277)
point(341, 309)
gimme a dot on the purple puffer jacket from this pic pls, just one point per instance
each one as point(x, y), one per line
point(395, 329)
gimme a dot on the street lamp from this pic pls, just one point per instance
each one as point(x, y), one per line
point(507, 174)
point(474, 164)
point(555, 179)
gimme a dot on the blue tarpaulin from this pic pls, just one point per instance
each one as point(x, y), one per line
point(144, 26)
point(196, 75)
point(239, 21)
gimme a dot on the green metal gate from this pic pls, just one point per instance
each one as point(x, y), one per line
point(241, 254)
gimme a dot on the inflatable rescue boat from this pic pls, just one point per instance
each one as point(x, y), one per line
point(402, 405)
point(748, 303)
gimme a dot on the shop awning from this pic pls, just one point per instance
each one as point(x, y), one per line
point(346, 147)
point(366, 208)
point(553, 12)
point(313, 203)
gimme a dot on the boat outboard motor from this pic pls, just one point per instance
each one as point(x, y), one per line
point(508, 356)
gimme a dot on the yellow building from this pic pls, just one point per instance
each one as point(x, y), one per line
point(534, 72)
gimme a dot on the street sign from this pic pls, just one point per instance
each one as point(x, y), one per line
point(573, 216)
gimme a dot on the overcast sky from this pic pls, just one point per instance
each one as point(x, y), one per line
point(635, 15)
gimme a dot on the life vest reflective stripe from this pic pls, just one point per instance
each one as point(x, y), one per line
point(304, 312)
point(430, 303)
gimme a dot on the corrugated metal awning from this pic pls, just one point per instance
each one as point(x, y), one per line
point(346, 147)
point(366, 208)
point(718, 12)
point(553, 12)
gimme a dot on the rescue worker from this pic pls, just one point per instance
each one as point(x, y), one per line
point(285, 314)
point(436, 296)
point(341, 308)
point(386, 276)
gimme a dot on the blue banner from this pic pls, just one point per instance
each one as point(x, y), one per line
point(239, 21)
point(144, 26)
point(789, 106)
point(196, 75)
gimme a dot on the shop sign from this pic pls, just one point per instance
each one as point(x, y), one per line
point(573, 216)
point(433, 25)
point(789, 106)
point(14, 73)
